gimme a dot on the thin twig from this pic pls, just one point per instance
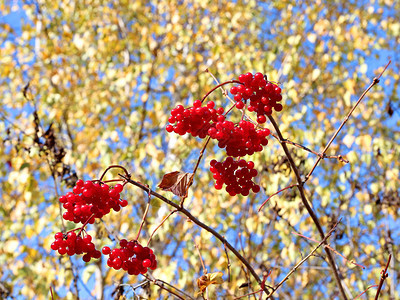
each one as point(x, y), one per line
point(194, 170)
point(201, 259)
point(338, 157)
point(224, 92)
point(218, 86)
point(372, 286)
point(229, 263)
point(286, 188)
point(246, 272)
point(159, 225)
point(51, 292)
point(249, 294)
point(303, 260)
point(145, 214)
point(162, 284)
point(374, 82)
point(330, 248)
point(259, 291)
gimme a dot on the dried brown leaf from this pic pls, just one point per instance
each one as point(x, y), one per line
point(175, 182)
point(211, 278)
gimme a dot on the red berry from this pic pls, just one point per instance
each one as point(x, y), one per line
point(86, 258)
point(106, 250)
point(239, 105)
point(147, 263)
point(118, 188)
point(117, 263)
point(54, 246)
point(261, 119)
point(87, 239)
point(123, 243)
point(197, 103)
point(211, 104)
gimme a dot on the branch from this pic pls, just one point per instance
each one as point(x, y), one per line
point(307, 205)
point(162, 283)
point(199, 223)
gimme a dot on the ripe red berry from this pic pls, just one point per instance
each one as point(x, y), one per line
point(106, 250)
point(118, 188)
point(147, 263)
point(123, 243)
point(58, 235)
point(239, 105)
point(86, 258)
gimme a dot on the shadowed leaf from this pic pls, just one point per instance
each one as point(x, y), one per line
point(175, 182)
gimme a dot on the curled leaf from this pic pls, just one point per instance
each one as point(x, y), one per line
point(210, 278)
point(176, 182)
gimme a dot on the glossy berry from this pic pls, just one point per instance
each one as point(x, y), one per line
point(89, 201)
point(263, 96)
point(106, 250)
point(195, 120)
point(254, 94)
point(131, 257)
point(72, 244)
point(237, 175)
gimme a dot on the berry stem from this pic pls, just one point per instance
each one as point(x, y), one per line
point(84, 224)
point(112, 167)
point(145, 213)
point(219, 85)
point(229, 110)
point(107, 181)
point(194, 170)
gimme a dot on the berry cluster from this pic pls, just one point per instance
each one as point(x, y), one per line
point(194, 120)
point(86, 202)
point(91, 199)
point(263, 95)
point(131, 257)
point(236, 174)
point(71, 244)
point(238, 139)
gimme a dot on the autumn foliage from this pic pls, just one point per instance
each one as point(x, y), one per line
point(199, 149)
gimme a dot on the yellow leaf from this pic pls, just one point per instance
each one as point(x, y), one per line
point(210, 278)
point(315, 74)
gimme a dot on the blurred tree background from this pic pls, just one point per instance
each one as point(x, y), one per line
point(103, 77)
